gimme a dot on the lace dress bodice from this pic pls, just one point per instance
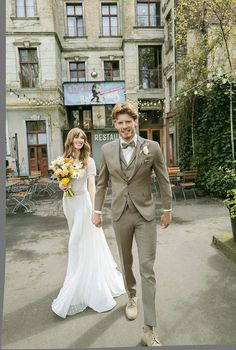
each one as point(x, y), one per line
point(79, 186)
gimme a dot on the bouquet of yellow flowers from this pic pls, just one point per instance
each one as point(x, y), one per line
point(65, 169)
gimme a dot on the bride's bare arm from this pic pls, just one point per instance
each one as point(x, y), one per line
point(91, 188)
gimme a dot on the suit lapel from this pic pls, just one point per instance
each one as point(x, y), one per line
point(139, 157)
point(117, 159)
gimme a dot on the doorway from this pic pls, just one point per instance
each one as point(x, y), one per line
point(152, 133)
point(37, 146)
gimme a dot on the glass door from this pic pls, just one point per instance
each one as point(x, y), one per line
point(152, 133)
point(37, 146)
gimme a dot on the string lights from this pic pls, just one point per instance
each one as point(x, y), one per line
point(207, 82)
point(36, 101)
point(150, 103)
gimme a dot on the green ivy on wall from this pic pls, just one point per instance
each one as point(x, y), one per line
point(211, 152)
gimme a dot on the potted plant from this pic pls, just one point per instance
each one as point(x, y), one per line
point(230, 202)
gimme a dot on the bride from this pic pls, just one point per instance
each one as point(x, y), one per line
point(92, 279)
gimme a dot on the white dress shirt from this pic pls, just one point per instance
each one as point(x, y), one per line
point(127, 152)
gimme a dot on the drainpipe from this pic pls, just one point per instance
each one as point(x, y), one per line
point(17, 155)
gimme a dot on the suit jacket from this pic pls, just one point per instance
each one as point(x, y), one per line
point(138, 185)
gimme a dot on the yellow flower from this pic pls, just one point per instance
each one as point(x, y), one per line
point(65, 171)
point(58, 172)
point(71, 170)
point(65, 181)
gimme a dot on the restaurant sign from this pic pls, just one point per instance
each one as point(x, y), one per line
point(105, 137)
point(94, 93)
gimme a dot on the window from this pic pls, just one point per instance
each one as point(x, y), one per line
point(25, 8)
point(87, 119)
point(28, 68)
point(148, 13)
point(36, 133)
point(169, 34)
point(111, 70)
point(82, 118)
point(108, 114)
point(77, 71)
point(75, 24)
point(109, 20)
point(150, 68)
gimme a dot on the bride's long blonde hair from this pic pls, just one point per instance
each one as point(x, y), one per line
point(69, 149)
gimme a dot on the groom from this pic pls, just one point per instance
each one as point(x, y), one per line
point(129, 162)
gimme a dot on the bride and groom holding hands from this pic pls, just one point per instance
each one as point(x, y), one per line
point(92, 279)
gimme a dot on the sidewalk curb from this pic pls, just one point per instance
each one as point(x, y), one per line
point(226, 244)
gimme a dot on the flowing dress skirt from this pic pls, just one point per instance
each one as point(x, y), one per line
point(92, 279)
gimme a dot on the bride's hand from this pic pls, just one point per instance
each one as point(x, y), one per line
point(62, 187)
point(97, 219)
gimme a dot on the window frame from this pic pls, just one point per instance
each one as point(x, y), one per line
point(157, 68)
point(36, 132)
point(158, 16)
point(25, 9)
point(169, 31)
point(29, 64)
point(77, 70)
point(108, 118)
point(77, 17)
point(111, 70)
point(109, 4)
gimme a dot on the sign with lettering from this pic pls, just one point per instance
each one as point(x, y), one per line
point(99, 138)
point(105, 137)
point(94, 93)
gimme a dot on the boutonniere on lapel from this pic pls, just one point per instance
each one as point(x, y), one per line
point(144, 148)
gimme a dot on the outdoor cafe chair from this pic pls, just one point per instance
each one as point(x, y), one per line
point(173, 184)
point(175, 176)
point(19, 194)
point(46, 185)
point(20, 199)
point(188, 183)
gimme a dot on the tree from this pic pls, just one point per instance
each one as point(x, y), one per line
point(205, 35)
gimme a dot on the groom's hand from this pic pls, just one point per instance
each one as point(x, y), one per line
point(165, 219)
point(97, 219)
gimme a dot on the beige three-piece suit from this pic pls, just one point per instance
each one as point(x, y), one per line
point(133, 211)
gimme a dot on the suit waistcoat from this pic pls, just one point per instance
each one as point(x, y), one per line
point(127, 170)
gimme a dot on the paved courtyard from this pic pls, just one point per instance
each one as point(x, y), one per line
point(196, 284)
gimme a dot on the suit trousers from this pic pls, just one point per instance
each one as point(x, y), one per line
point(131, 224)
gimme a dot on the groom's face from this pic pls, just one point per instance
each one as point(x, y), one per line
point(125, 126)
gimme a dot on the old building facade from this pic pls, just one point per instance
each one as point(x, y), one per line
point(69, 62)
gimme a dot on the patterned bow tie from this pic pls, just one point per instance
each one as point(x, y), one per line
point(125, 145)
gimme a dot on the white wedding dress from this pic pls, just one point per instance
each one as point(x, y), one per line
point(92, 279)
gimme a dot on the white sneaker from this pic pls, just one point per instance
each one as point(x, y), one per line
point(149, 338)
point(131, 309)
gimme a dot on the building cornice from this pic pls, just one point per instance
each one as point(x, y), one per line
point(35, 34)
point(92, 48)
point(145, 41)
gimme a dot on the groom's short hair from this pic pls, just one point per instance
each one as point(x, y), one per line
point(122, 108)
